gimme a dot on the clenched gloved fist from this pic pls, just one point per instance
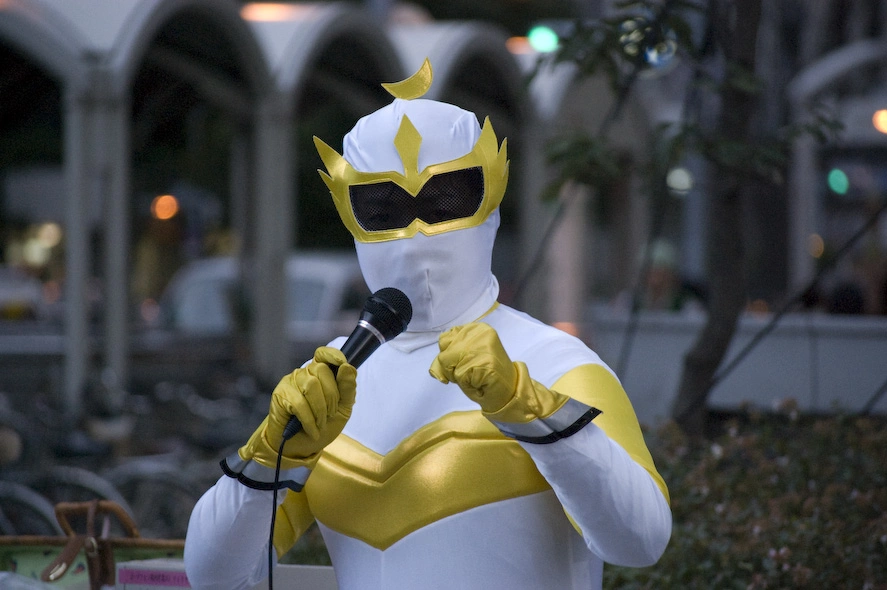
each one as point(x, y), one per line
point(473, 357)
point(320, 400)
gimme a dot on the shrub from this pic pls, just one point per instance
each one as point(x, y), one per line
point(773, 501)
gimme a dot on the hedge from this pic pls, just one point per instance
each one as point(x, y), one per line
point(774, 500)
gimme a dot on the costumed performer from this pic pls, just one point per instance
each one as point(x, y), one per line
point(481, 448)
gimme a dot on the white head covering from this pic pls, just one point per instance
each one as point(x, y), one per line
point(448, 276)
point(447, 131)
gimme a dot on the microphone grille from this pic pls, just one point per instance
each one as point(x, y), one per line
point(392, 310)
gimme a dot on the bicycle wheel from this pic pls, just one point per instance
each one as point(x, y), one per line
point(161, 495)
point(65, 483)
point(25, 512)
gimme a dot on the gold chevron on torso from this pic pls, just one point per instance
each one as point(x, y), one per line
point(453, 464)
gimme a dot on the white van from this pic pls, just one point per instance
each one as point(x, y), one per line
point(205, 313)
point(323, 289)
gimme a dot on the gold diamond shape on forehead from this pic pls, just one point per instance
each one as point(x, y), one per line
point(407, 142)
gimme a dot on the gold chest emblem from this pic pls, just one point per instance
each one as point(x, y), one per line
point(451, 465)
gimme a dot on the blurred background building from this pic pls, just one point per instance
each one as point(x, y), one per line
point(140, 136)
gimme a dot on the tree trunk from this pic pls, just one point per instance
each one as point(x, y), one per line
point(735, 25)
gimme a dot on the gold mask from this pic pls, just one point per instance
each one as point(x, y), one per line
point(458, 194)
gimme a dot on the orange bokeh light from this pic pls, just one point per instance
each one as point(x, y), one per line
point(879, 120)
point(164, 207)
point(518, 45)
point(569, 327)
point(816, 245)
point(758, 306)
point(271, 11)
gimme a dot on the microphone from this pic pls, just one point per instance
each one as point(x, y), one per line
point(386, 313)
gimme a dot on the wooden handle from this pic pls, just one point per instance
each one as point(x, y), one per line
point(63, 510)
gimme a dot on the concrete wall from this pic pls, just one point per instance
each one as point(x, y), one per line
point(824, 362)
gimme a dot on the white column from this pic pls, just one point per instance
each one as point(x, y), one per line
point(567, 256)
point(77, 253)
point(534, 222)
point(115, 198)
point(274, 214)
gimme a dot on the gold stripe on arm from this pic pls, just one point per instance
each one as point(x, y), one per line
point(596, 386)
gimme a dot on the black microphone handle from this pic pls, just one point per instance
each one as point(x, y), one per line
point(360, 345)
point(362, 342)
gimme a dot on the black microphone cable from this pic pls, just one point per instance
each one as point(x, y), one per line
point(291, 429)
point(274, 515)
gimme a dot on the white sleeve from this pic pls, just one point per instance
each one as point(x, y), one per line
point(226, 546)
point(621, 512)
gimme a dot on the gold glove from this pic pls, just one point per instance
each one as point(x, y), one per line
point(472, 356)
point(320, 400)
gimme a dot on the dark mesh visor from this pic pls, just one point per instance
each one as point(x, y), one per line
point(446, 196)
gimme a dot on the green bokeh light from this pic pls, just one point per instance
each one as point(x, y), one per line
point(838, 181)
point(543, 39)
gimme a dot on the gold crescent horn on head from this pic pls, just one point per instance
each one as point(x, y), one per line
point(414, 86)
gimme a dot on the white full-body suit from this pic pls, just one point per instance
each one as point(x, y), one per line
point(421, 490)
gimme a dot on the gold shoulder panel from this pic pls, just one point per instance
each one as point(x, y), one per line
point(596, 386)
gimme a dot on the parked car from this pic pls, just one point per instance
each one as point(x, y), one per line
point(21, 295)
point(205, 311)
